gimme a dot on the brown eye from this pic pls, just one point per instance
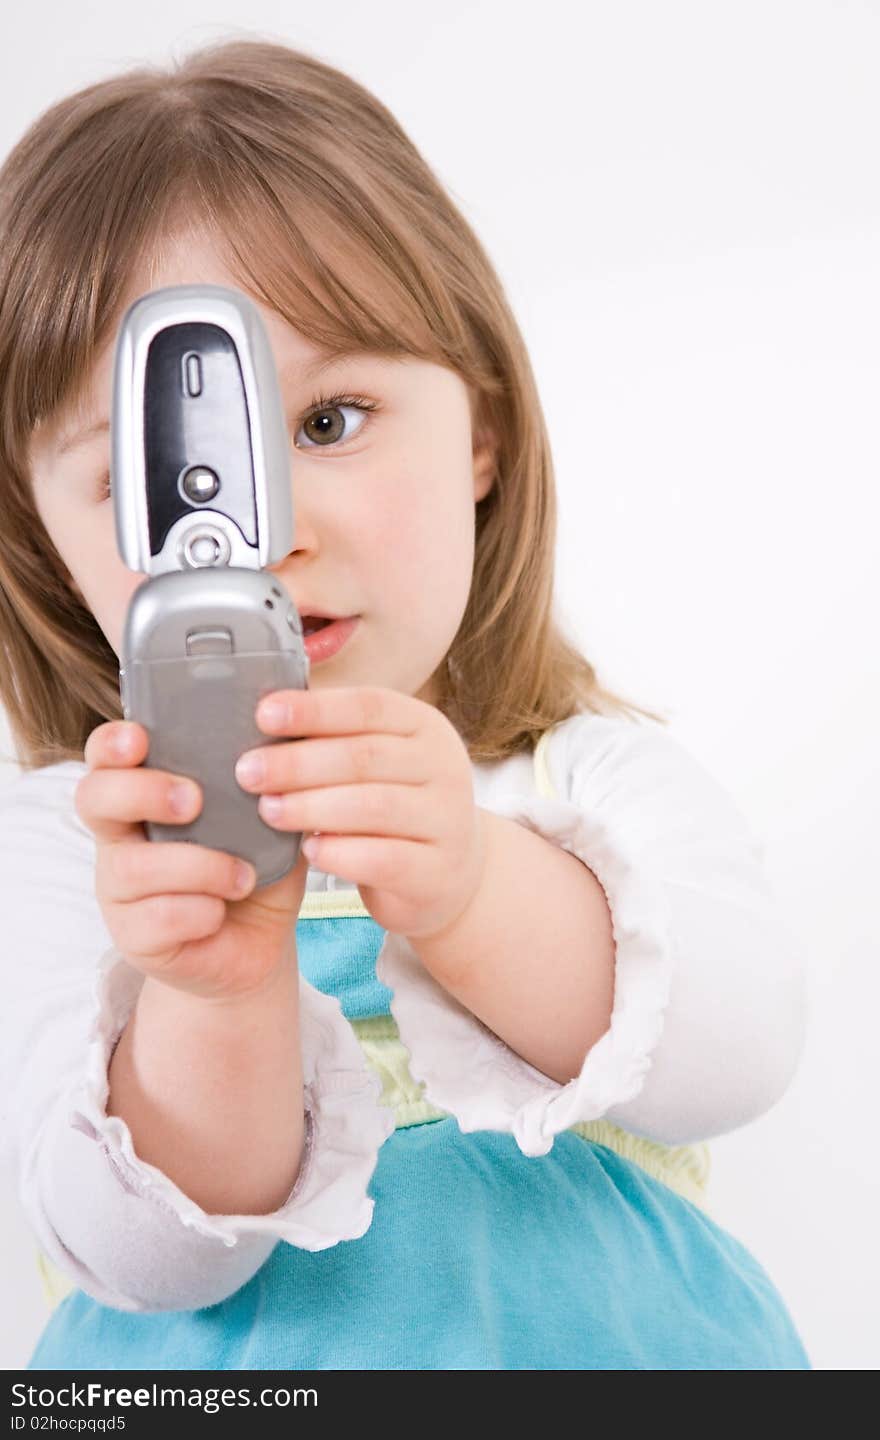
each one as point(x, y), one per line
point(324, 427)
point(329, 423)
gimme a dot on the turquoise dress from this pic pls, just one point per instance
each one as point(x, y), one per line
point(478, 1257)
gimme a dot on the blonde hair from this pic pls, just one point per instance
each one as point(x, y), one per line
point(328, 214)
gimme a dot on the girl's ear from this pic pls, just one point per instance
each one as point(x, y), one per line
point(485, 461)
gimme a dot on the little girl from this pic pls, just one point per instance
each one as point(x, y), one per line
point(436, 1100)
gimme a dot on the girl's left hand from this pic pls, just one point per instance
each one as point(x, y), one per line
point(387, 781)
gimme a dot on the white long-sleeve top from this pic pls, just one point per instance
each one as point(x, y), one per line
point(706, 1031)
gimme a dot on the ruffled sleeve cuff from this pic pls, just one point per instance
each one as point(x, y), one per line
point(471, 1073)
point(345, 1125)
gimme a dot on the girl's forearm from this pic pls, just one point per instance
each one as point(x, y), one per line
point(533, 956)
point(212, 1092)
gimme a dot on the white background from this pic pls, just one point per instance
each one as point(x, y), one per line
point(682, 200)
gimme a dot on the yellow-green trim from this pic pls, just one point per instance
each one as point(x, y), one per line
point(333, 905)
point(684, 1168)
point(388, 1057)
point(543, 782)
point(54, 1283)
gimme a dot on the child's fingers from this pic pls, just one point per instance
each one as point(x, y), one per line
point(113, 802)
point(116, 742)
point(169, 906)
point(128, 872)
point(155, 929)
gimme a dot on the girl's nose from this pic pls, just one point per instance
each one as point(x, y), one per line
point(305, 536)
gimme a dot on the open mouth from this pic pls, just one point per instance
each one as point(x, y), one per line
point(323, 638)
point(311, 623)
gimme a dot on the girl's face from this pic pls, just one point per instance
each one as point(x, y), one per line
point(383, 499)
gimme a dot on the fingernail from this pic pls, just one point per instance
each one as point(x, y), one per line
point(273, 712)
point(182, 798)
point(121, 742)
point(249, 770)
point(245, 875)
point(270, 806)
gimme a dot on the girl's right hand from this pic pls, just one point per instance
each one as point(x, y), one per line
point(173, 909)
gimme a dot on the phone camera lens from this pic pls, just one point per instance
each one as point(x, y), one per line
point(199, 484)
point(204, 548)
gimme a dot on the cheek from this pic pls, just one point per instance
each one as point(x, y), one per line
point(107, 584)
point(423, 501)
point(108, 597)
point(444, 524)
point(415, 539)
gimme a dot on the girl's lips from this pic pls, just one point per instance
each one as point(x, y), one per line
point(324, 643)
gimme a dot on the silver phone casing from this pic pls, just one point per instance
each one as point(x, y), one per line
point(199, 650)
point(233, 312)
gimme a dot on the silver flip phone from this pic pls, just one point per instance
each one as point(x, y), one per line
point(200, 480)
